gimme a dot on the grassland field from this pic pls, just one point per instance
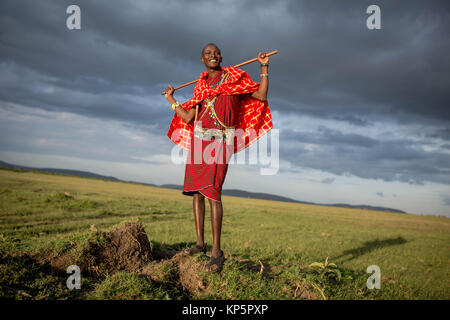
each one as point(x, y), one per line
point(269, 245)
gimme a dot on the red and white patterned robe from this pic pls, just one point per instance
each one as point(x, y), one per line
point(233, 106)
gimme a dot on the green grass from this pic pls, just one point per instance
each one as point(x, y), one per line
point(126, 286)
point(47, 214)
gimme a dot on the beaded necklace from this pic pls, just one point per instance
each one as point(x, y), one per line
point(210, 102)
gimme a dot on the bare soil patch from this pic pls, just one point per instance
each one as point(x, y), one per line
point(127, 248)
point(183, 271)
point(124, 248)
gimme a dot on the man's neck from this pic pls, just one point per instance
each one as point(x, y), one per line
point(213, 72)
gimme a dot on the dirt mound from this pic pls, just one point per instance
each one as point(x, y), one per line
point(190, 278)
point(126, 248)
point(180, 270)
point(123, 248)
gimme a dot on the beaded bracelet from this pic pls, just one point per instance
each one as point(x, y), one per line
point(264, 74)
point(173, 106)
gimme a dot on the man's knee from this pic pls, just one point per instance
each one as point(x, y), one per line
point(214, 203)
point(198, 196)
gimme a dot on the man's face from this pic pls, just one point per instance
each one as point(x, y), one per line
point(211, 57)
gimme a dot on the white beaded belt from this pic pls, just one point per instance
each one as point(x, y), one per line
point(214, 134)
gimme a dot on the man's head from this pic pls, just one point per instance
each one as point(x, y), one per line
point(211, 56)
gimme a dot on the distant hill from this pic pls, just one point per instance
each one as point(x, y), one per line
point(244, 194)
point(63, 171)
point(267, 196)
point(229, 192)
point(85, 174)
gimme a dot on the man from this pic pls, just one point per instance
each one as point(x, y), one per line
point(226, 100)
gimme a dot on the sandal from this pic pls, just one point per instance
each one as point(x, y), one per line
point(195, 249)
point(215, 262)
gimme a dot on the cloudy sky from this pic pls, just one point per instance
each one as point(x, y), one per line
point(363, 115)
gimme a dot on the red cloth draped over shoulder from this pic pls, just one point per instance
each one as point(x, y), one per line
point(254, 118)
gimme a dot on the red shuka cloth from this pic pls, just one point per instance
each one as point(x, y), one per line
point(207, 161)
point(253, 114)
point(243, 112)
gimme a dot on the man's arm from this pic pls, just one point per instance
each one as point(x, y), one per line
point(261, 93)
point(186, 115)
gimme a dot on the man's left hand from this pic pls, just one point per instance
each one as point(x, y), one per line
point(263, 58)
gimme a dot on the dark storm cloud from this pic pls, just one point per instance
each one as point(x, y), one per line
point(325, 136)
point(328, 180)
point(329, 62)
point(329, 66)
point(441, 134)
point(353, 120)
point(352, 154)
point(399, 71)
point(446, 200)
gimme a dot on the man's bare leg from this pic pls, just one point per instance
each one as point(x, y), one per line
point(199, 217)
point(216, 224)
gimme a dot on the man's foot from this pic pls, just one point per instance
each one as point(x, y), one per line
point(215, 263)
point(195, 249)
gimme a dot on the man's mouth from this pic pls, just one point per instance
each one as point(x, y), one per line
point(213, 60)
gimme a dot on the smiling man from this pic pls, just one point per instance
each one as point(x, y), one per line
point(228, 102)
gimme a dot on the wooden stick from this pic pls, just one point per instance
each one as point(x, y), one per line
point(236, 66)
point(23, 293)
point(255, 59)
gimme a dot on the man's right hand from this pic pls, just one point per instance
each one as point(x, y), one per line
point(168, 92)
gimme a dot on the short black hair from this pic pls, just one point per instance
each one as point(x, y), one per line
point(210, 44)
